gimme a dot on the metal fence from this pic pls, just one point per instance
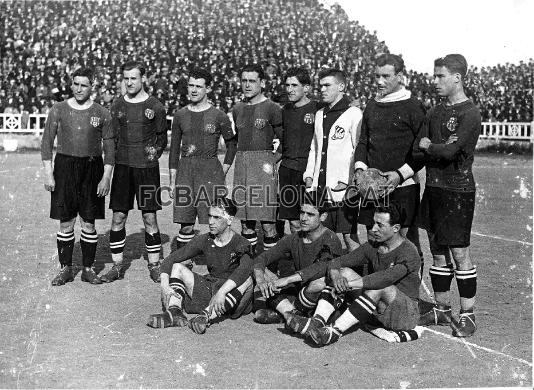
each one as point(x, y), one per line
point(34, 124)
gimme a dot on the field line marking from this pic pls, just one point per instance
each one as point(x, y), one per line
point(467, 344)
point(501, 238)
point(458, 340)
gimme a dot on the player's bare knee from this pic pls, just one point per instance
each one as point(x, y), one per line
point(178, 271)
point(349, 273)
point(151, 222)
point(246, 285)
point(461, 258)
point(269, 228)
point(187, 228)
point(316, 286)
point(67, 226)
point(88, 225)
point(118, 220)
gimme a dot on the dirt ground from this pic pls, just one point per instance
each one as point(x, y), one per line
point(85, 336)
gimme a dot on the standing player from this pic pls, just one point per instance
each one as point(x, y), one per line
point(226, 289)
point(80, 179)
point(330, 162)
point(258, 122)
point(141, 134)
point(313, 245)
point(390, 124)
point(193, 164)
point(390, 293)
point(298, 117)
point(448, 141)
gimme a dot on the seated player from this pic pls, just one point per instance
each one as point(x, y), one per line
point(390, 292)
point(217, 293)
point(313, 244)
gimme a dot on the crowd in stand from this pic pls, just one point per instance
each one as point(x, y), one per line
point(42, 42)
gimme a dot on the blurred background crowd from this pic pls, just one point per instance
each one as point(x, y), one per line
point(42, 42)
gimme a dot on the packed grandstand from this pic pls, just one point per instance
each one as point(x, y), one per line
point(42, 42)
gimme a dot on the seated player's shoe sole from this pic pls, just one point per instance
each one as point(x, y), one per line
point(301, 324)
point(267, 316)
point(200, 323)
point(170, 318)
point(90, 277)
point(64, 276)
point(325, 335)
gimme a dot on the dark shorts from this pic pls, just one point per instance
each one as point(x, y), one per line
point(291, 189)
point(406, 197)
point(140, 183)
point(342, 218)
point(401, 314)
point(205, 286)
point(77, 181)
point(255, 187)
point(198, 182)
point(447, 216)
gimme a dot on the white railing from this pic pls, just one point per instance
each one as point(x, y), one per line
point(34, 123)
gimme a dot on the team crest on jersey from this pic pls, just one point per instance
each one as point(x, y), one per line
point(209, 128)
point(309, 119)
point(95, 121)
point(149, 113)
point(452, 123)
point(260, 123)
point(339, 133)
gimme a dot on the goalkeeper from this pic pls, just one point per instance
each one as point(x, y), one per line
point(390, 124)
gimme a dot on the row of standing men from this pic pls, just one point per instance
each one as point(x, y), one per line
point(323, 145)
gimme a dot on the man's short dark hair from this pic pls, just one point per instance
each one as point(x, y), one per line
point(455, 63)
point(301, 74)
point(394, 211)
point(390, 59)
point(226, 204)
point(338, 74)
point(253, 68)
point(316, 199)
point(201, 73)
point(84, 72)
point(129, 65)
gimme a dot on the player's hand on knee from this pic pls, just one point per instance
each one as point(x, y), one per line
point(279, 284)
point(265, 288)
point(50, 184)
point(103, 187)
point(339, 282)
point(166, 293)
point(217, 303)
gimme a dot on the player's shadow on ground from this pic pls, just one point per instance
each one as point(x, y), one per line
point(133, 250)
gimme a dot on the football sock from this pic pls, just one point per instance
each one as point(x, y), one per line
point(179, 288)
point(65, 247)
point(183, 238)
point(441, 278)
point(117, 239)
point(326, 304)
point(232, 299)
point(284, 306)
point(345, 321)
point(88, 243)
point(305, 301)
point(269, 242)
point(467, 282)
point(153, 246)
point(362, 309)
point(259, 302)
point(397, 336)
point(252, 239)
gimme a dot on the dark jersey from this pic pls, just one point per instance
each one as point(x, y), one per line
point(139, 126)
point(388, 133)
point(449, 166)
point(257, 125)
point(196, 134)
point(399, 268)
point(231, 261)
point(298, 127)
point(80, 133)
point(306, 256)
